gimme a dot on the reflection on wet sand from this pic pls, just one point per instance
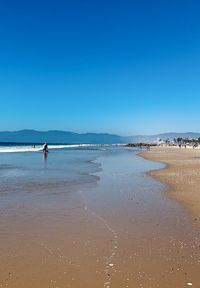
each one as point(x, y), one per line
point(122, 231)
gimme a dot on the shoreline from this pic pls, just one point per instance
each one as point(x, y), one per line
point(179, 174)
point(119, 232)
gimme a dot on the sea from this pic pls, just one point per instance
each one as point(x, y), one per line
point(24, 167)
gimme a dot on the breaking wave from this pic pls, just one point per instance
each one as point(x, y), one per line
point(38, 148)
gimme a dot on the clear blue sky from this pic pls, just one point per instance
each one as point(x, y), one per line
point(125, 67)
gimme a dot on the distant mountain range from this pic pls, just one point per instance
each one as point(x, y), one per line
point(58, 137)
point(65, 137)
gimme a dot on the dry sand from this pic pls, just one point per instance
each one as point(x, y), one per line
point(181, 174)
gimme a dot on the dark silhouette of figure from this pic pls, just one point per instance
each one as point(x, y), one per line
point(45, 148)
point(45, 151)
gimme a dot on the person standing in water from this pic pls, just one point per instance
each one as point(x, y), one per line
point(45, 148)
point(45, 151)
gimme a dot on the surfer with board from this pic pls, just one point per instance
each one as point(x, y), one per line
point(45, 150)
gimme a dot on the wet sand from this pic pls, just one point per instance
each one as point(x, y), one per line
point(122, 231)
point(181, 174)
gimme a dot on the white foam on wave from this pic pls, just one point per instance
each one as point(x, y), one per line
point(37, 148)
point(70, 146)
point(14, 149)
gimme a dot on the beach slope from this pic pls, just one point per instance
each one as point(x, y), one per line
point(181, 174)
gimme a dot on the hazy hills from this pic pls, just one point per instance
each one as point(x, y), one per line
point(56, 136)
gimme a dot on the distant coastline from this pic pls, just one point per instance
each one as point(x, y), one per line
point(67, 137)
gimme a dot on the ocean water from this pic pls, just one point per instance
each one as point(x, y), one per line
point(23, 168)
point(23, 147)
point(25, 174)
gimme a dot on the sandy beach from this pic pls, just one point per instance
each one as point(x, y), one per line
point(121, 230)
point(181, 174)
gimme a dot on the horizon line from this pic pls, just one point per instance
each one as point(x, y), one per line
point(108, 133)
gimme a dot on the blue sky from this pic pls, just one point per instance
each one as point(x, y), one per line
point(125, 67)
